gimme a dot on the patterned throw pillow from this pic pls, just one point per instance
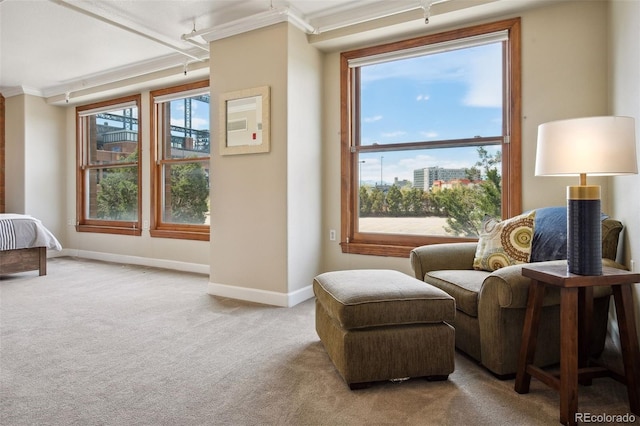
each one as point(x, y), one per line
point(504, 243)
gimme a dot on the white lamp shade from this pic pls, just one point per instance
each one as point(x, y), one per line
point(597, 146)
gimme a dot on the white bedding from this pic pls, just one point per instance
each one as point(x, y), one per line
point(19, 231)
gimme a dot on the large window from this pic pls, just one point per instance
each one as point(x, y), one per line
point(108, 173)
point(180, 162)
point(430, 138)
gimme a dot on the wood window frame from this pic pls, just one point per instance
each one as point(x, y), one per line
point(401, 245)
point(84, 224)
point(157, 227)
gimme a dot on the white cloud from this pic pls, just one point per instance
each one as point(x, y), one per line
point(422, 98)
point(372, 119)
point(431, 134)
point(484, 83)
point(196, 123)
point(394, 134)
point(200, 123)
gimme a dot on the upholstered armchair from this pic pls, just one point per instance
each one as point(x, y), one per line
point(490, 306)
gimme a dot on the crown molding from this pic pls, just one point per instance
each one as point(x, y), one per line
point(254, 22)
point(8, 92)
point(147, 81)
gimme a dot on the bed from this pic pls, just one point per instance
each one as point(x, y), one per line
point(24, 241)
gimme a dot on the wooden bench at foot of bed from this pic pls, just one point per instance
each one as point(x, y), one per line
point(22, 260)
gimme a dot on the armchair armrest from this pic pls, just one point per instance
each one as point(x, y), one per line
point(437, 257)
point(512, 288)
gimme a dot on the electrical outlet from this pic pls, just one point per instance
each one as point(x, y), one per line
point(70, 222)
point(632, 265)
point(145, 225)
point(332, 234)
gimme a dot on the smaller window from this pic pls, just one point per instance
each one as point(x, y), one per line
point(108, 167)
point(180, 162)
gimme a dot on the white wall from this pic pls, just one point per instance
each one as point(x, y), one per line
point(624, 44)
point(304, 161)
point(46, 163)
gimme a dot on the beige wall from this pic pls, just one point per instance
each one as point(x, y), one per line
point(266, 214)
point(564, 75)
point(162, 252)
point(36, 160)
point(15, 154)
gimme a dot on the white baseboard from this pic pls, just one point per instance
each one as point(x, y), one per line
point(133, 260)
point(285, 300)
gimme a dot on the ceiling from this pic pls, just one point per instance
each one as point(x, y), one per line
point(58, 48)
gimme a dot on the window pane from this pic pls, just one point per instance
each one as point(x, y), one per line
point(112, 193)
point(186, 193)
point(450, 95)
point(112, 136)
point(444, 191)
point(186, 131)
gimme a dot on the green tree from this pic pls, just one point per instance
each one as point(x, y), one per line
point(413, 200)
point(189, 193)
point(365, 202)
point(460, 204)
point(117, 194)
point(466, 206)
point(377, 202)
point(491, 199)
point(394, 201)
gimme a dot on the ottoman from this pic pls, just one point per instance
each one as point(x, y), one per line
point(383, 325)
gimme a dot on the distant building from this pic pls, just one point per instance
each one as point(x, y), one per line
point(439, 185)
point(401, 183)
point(425, 178)
point(418, 178)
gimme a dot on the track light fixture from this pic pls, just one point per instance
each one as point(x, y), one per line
point(426, 7)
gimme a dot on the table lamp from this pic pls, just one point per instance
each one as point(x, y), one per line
point(596, 146)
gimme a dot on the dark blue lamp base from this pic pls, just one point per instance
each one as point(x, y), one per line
point(584, 236)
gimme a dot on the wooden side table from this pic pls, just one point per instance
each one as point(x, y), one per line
point(576, 308)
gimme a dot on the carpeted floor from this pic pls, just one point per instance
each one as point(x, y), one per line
point(96, 343)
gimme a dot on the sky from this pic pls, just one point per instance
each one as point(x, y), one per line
point(199, 114)
point(449, 95)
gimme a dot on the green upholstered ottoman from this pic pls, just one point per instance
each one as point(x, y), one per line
point(383, 325)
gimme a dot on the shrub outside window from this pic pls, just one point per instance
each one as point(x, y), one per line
point(430, 138)
point(180, 157)
point(108, 174)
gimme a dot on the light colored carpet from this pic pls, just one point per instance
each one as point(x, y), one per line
point(96, 343)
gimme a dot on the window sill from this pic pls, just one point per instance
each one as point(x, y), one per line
point(182, 235)
point(109, 230)
point(388, 249)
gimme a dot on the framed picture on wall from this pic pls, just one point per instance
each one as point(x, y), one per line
point(244, 121)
